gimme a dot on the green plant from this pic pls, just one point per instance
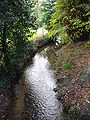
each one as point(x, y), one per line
point(60, 94)
point(74, 111)
point(46, 11)
point(70, 20)
point(16, 21)
point(67, 66)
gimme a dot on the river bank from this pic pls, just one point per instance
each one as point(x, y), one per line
point(7, 87)
point(33, 96)
point(73, 79)
point(70, 64)
point(7, 90)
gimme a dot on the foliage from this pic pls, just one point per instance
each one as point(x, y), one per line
point(70, 20)
point(46, 11)
point(74, 111)
point(16, 21)
point(68, 66)
point(60, 94)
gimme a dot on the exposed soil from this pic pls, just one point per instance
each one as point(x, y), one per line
point(74, 79)
point(6, 98)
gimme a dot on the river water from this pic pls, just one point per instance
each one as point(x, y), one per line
point(35, 98)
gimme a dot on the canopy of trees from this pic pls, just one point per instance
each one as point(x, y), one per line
point(46, 11)
point(16, 20)
point(67, 19)
point(71, 20)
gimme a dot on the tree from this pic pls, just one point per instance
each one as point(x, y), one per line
point(71, 20)
point(46, 11)
point(15, 21)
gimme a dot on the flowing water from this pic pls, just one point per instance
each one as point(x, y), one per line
point(35, 98)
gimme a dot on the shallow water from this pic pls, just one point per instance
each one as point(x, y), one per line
point(35, 98)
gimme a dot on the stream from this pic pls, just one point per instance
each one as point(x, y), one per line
point(35, 98)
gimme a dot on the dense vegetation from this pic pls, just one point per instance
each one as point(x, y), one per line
point(16, 22)
point(22, 27)
point(69, 19)
point(46, 12)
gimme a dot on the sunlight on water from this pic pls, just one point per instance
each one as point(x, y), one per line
point(35, 98)
point(41, 82)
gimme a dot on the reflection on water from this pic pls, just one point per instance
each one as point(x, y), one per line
point(38, 100)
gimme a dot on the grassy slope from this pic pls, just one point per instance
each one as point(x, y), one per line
point(73, 76)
